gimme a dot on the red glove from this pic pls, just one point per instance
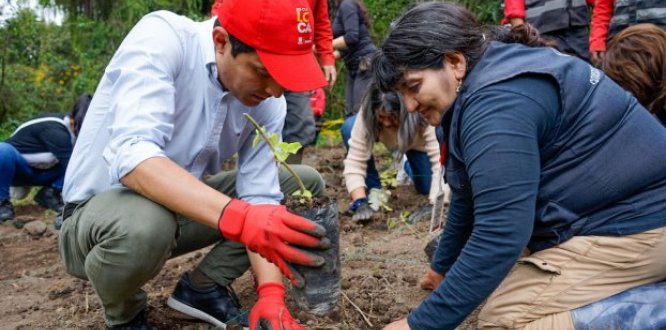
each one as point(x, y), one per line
point(271, 231)
point(270, 312)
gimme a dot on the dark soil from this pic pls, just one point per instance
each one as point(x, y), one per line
point(380, 270)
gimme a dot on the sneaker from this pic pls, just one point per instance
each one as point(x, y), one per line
point(6, 210)
point(50, 198)
point(217, 306)
point(139, 322)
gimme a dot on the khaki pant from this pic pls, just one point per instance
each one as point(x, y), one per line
point(542, 289)
point(119, 240)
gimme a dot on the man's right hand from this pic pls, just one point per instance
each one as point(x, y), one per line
point(272, 232)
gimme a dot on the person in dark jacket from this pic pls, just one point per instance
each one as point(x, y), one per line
point(37, 154)
point(559, 192)
point(565, 23)
point(352, 42)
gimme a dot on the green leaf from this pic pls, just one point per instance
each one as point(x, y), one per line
point(291, 148)
point(274, 139)
point(256, 139)
point(281, 155)
point(305, 194)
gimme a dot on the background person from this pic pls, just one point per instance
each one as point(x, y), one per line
point(352, 42)
point(609, 17)
point(37, 154)
point(142, 185)
point(382, 118)
point(299, 125)
point(532, 159)
point(636, 60)
point(564, 22)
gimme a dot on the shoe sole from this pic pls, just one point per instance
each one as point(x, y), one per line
point(193, 312)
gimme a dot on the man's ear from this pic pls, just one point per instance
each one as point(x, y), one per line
point(220, 38)
point(456, 62)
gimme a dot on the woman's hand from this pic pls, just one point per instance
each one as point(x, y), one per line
point(398, 325)
point(431, 280)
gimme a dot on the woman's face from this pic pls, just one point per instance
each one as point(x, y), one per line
point(431, 92)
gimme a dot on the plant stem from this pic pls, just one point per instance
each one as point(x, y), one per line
point(272, 147)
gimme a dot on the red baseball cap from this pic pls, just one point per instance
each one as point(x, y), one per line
point(282, 33)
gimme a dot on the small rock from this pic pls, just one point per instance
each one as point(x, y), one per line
point(35, 228)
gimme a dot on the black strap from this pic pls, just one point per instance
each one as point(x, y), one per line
point(68, 210)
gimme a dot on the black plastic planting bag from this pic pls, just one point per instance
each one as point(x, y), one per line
point(321, 292)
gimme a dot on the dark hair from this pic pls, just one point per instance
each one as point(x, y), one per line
point(79, 110)
point(419, 38)
point(237, 46)
point(409, 124)
point(636, 59)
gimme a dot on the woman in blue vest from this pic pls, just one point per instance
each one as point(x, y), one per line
point(559, 188)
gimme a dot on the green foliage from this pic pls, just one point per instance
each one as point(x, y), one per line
point(281, 150)
point(392, 223)
point(388, 178)
point(45, 67)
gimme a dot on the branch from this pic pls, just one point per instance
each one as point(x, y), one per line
point(272, 147)
point(365, 318)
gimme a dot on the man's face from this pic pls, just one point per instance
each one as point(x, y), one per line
point(243, 75)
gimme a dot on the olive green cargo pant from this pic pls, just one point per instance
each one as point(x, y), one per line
point(119, 240)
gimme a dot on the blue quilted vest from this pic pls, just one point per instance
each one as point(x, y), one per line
point(604, 170)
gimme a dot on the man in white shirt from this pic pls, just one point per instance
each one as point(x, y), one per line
point(166, 114)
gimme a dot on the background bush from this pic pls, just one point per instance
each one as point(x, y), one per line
point(45, 67)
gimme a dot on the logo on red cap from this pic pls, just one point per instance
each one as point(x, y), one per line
point(303, 25)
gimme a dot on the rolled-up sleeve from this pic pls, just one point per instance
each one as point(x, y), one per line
point(142, 97)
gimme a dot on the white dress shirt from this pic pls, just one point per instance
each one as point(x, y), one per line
point(160, 97)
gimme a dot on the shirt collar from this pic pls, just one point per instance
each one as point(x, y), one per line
point(206, 39)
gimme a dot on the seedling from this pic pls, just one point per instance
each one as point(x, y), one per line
point(392, 222)
point(280, 150)
point(382, 196)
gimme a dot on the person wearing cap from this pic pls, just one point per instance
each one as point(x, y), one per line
point(142, 184)
point(299, 124)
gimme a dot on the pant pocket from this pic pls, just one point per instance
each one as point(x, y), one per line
point(541, 264)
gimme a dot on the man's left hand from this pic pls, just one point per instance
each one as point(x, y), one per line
point(398, 325)
point(270, 312)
